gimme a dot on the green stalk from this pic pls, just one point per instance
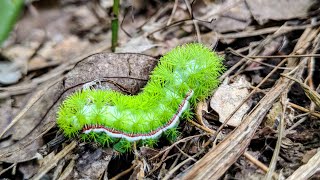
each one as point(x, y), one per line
point(115, 24)
point(9, 12)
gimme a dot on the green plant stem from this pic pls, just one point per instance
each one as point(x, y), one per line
point(115, 24)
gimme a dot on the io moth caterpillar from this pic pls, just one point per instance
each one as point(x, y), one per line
point(183, 76)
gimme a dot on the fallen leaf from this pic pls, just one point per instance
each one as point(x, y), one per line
point(226, 15)
point(228, 97)
point(263, 10)
point(136, 45)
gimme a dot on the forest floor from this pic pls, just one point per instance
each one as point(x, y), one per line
point(262, 122)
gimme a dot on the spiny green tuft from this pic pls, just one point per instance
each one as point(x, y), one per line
point(172, 134)
point(123, 146)
point(150, 142)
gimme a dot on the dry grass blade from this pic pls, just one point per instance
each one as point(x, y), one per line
point(118, 176)
point(54, 161)
point(315, 114)
point(276, 152)
point(258, 164)
point(67, 171)
point(312, 95)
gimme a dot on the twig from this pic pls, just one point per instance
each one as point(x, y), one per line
point(255, 51)
point(276, 152)
point(246, 154)
point(250, 59)
point(185, 154)
point(181, 140)
point(178, 157)
point(257, 32)
point(260, 47)
point(202, 127)
point(118, 176)
point(287, 56)
point(170, 173)
point(304, 109)
point(195, 23)
point(295, 125)
point(311, 68)
point(311, 94)
point(8, 168)
point(298, 49)
point(53, 162)
point(67, 170)
point(258, 163)
point(174, 9)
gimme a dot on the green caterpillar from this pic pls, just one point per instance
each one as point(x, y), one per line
point(183, 76)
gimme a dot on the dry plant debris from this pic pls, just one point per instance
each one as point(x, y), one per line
point(227, 97)
point(61, 46)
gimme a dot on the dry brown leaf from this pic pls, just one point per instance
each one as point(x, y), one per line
point(63, 50)
point(228, 97)
point(136, 45)
point(227, 15)
point(263, 10)
point(12, 71)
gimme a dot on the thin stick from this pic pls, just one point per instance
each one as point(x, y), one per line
point(54, 160)
point(259, 164)
point(276, 152)
point(304, 109)
point(287, 56)
point(174, 9)
point(8, 168)
point(196, 26)
point(118, 176)
point(181, 140)
point(257, 32)
point(170, 173)
point(250, 59)
point(201, 127)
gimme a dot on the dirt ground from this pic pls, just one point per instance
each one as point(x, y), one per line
point(262, 122)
